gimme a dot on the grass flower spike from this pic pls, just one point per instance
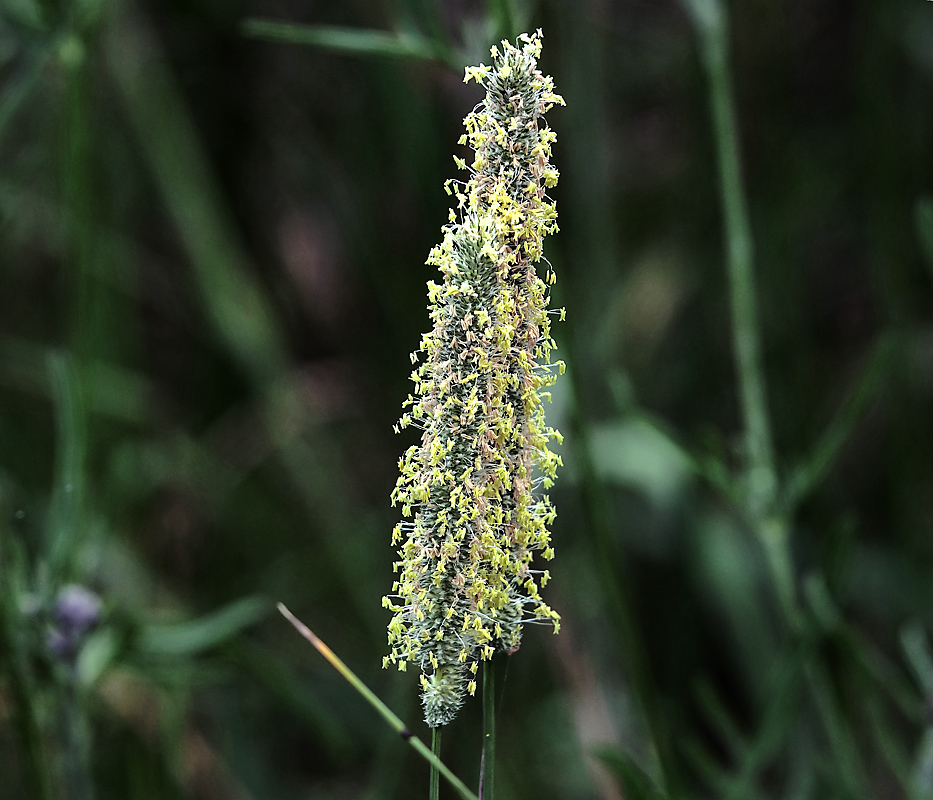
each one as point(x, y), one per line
point(470, 492)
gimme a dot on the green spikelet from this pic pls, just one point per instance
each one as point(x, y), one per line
point(469, 490)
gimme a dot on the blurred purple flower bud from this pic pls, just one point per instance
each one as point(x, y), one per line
point(77, 610)
point(60, 645)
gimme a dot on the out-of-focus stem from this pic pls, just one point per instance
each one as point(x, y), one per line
point(762, 478)
point(761, 482)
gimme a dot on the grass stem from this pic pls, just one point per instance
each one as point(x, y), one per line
point(488, 769)
point(435, 792)
point(384, 711)
point(761, 488)
point(761, 474)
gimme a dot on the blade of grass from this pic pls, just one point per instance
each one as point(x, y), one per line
point(384, 711)
point(711, 771)
point(874, 664)
point(348, 41)
point(710, 19)
point(426, 15)
point(234, 300)
point(721, 721)
point(813, 469)
point(849, 764)
point(776, 726)
point(761, 480)
point(66, 514)
point(883, 731)
point(233, 296)
point(203, 633)
point(109, 391)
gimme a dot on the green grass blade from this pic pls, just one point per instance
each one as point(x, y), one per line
point(235, 301)
point(814, 468)
point(232, 295)
point(110, 391)
point(187, 638)
point(66, 515)
point(384, 711)
point(349, 41)
point(709, 17)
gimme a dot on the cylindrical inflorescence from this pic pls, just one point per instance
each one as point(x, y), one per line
point(470, 491)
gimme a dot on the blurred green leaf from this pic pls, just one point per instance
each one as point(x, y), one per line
point(211, 630)
point(108, 390)
point(350, 41)
point(233, 296)
point(26, 14)
point(635, 453)
point(97, 654)
point(636, 783)
point(707, 15)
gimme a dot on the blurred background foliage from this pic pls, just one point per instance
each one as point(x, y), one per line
point(212, 241)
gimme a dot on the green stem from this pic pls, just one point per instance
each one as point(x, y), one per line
point(76, 745)
point(488, 771)
point(761, 481)
point(762, 477)
point(66, 514)
point(435, 793)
